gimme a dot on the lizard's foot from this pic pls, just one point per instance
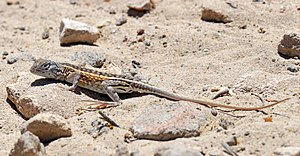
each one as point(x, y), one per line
point(96, 105)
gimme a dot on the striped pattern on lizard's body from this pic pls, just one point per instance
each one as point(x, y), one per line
point(112, 84)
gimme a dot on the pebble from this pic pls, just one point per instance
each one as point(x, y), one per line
point(293, 68)
point(28, 145)
point(47, 127)
point(12, 2)
point(71, 32)
point(182, 120)
point(121, 20)
point(103, 24)
point(147, 42)
point(141, 39)
point(231, 140)
point(290, 45)
point(287, 151)
point(73, 2)
point(140, 31)
point(12, 60)
point(141, 5)
point(4, 53)
point(214, 112)
point(45, 34)
point(112, 10)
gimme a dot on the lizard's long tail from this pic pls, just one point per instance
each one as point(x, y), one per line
point(204, 102)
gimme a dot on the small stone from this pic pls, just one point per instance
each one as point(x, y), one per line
point(4, 53)
point(165, 44)
point(71, 31)
point(216, 11)
point(28, 145)
point(120, 21)
point(287, 151)
point(12, 2)
point(47, 127)
point(112, 10)
point(214, 112)
point(147, 43)
point(261, 30)
point(22, 28)
point(141, 5)
point(290, 45)
point(103, 24)
point(181, 120)
point(293, 68)
point(73, 2)
point(140, 31)
point(141, 39)
point(12, 60)
point(45, 34)
point(231, 140)
point(243, 26)
point(247, 133)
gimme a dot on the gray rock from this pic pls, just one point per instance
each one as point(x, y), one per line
point(28, 145)
point(287, 151)
point(12, 60)
point(71, 32)
point(4, 53)
point(293, 68)
point(168, 121)
point(45, 34)
point(47, 127)
point(92, 58)
point(141, 5)
point(177, 150)
point(290, 45)
point(216, 11)
point(121, 20)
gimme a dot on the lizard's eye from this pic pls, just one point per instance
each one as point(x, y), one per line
point(46, 65)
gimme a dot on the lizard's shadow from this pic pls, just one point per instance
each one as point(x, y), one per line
point(80, 90)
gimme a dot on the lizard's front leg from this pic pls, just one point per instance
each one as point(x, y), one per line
point(75, 80)
point(109, 90)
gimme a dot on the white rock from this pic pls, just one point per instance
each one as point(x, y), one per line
point(71, 31)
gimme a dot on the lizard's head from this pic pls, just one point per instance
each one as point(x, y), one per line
point(47, 68)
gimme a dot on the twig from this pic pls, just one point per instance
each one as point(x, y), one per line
point(108, 119)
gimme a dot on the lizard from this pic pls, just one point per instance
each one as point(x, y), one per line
point(112, 84)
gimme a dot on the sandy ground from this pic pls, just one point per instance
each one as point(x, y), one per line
point(185, 55)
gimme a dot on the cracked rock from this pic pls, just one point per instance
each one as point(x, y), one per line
point(169, 121)
point(47, 127)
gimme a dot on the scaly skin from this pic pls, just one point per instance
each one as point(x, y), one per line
point(112, 84)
